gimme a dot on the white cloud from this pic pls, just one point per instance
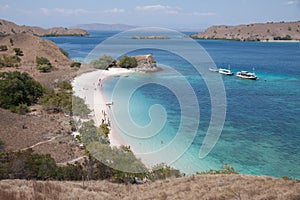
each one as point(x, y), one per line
point(115, 10)
point(294, 2)
point(158, 7)
point(205, 14)
point(63, 11)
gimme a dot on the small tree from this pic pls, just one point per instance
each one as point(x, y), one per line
point(75, 64)
point(64, 52)
point(65, 85)
point(128, 62)
point(3, 47)
point(11, 41)
point(43, 64)
point(102, 63)
point(44, 68)
point(18, 52)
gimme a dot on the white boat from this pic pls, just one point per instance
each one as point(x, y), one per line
point(225, 72)
point(246, 75)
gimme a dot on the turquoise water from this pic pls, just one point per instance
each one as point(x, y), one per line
point(261, 135)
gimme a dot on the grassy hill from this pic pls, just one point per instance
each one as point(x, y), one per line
point(253, 32)
point(194, 187)
point(9, 28)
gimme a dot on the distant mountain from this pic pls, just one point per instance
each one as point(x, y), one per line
point(10, 28)
point(104, 27)
point(271, 31)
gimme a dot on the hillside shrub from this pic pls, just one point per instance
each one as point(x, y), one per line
point(75, 64)
point(3, 47)
point(287, 37)
point(64, 85)
point(64, 52)
point(128, 62)
point(60, 102)
point(18, 90)
point(43, 64)
point(10, 61)
point(79, 108)
point(18, 52)
point(102, 63)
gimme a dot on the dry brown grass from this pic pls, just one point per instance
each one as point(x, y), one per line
point(20, 131)
point(195, 187)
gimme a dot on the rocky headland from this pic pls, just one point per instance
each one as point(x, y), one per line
point(271, 31)
point(146, 63)
point(9, 28)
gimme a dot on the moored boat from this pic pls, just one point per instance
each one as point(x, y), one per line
point(225, 72)
point(246, 75)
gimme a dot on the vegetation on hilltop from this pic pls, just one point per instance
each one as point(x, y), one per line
point(128, 62)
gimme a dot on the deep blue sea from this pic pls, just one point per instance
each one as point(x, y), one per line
point(261, 134)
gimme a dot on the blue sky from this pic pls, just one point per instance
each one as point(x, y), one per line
point(194, 14)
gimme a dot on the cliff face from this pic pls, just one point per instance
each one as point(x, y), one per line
point(9, 28)
point(253, 32)
point(146, 63)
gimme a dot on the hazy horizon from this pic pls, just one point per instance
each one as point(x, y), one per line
point(168, 13)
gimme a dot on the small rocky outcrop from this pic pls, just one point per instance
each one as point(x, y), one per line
point(146, 63)
point(151, 37)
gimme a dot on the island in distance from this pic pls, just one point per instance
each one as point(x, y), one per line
point(271, 31)
point(9, 28)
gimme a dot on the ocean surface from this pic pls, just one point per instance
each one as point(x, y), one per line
point(261, 133)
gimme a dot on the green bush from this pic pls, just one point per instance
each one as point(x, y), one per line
point(225, 169)
point(61, 102)
point(128, 62)
point(22, 109)
point(75, 64)
point(10, 61)
point(90, 133)
point(104, 129)
point(65, 85)
point(18, 52)
point(3, 47)
point(287, 37)
point(43, 64)
point(45, 68)
point(103, 62)
point(64, 52)
point(126, 166)
point(162, 171)
point(79, 108)
point(18, 90)
point(11, 41)
point(26, 165)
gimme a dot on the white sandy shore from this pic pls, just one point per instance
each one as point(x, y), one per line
point(88, 86)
